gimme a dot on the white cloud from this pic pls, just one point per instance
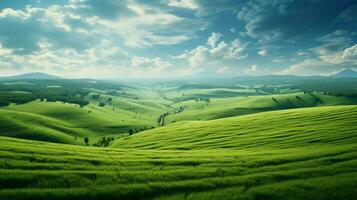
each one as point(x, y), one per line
point(213, 39)
point(302, 53)
point(147, 62)
point(102, 43)
point(263, 52)
point(213, 55)
point(336, 53)
point(149, 66)
point(199, 57)
point(9, 12)
point(252, 70)
point(223, 70)
point(350, 53)
point(188, 4)
point(220, 50)
point(4, 51)
point(57, 17)
point(150, 26)
point(279, 60)
point(326, 62)
point(137, 9)
point(236, 50)
point(310, 67)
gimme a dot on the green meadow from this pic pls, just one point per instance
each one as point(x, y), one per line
point(274, 163)
point(275, 129)
point(176, 140)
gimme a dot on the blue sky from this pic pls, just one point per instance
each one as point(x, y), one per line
point(177, 38)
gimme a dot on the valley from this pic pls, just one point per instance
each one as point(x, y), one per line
point(177, 140)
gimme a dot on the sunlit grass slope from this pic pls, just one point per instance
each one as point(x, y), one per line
point(36, 127)
point(39, 170)
point(59, 122)
point(267, 130)
point(233, 106)
point(308, 153)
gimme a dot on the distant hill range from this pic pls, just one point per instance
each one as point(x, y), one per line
point(35, 75)
point(347, 73)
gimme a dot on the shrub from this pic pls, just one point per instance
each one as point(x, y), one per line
point(131, 131)
point(86, 140)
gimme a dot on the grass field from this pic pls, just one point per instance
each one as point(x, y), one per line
point(70, 123)
point(59, 122)
point(233, 106)
point(275, 129)
point(307, 153)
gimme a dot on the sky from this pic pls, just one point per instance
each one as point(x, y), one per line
point(117, 39)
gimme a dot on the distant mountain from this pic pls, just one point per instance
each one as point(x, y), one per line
point(35, 75)
point(347, 73)
point(280, 77)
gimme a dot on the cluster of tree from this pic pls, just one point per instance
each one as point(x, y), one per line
point(7, 98)
point(342, 94)
point(115, 93)
point(131, 131)
point(351, 94)
point(21, 94)
point(161, 119)
point(266, 89)
point(179, 110)
point(18, 98)
point(104, 141)
point(316, 98)
point(299, 98)
point(275, 100)
point(68, 99)
point(95, 96)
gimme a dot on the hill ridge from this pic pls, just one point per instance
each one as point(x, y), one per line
point(301, 126)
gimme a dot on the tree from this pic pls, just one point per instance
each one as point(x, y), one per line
point(131, 131)
point(95, 96)
point(101, 104)
point(275, 100)
point(86, 140)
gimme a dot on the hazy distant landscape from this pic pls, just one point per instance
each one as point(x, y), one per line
point(178, 100)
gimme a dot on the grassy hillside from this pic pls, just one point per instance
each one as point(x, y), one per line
point(36, 127)
point(59, 122)
point(70, 123)
point(292, 154)
point(275, 129)
point(227, 107)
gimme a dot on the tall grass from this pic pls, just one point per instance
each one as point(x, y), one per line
point(281, 163)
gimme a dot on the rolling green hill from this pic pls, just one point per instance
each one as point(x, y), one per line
point(59, 122)
point(275, 129)
point(36, 127)
point(70, 123)
point(307, 153)
point(218, 108)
